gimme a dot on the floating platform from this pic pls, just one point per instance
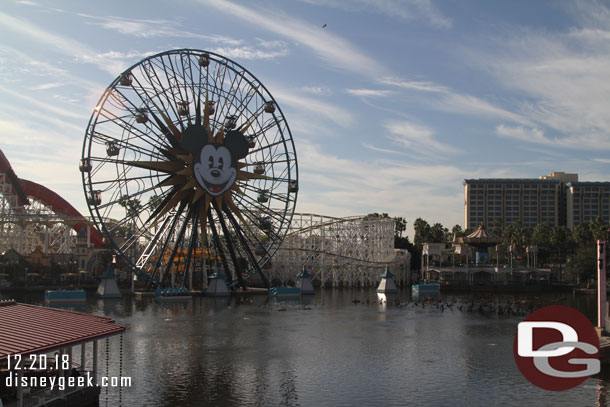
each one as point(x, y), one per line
point(285, 291)
point(426, 288)
point(172, 294)
point(144, 294)
point(65, 296)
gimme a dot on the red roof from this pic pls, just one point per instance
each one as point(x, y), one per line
point(26, 329)
point(481, 235)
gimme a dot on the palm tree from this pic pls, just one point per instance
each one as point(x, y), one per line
point(422, 232)
point(582, 235)
point(518, 236)
point(561, 240)
point(599, 229)
point(401, 226)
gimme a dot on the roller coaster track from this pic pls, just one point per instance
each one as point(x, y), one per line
point(18, 195)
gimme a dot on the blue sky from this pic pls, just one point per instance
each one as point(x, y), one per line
point(391, 106)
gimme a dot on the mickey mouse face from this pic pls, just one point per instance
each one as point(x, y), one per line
point(214, 165)
point(215, 171)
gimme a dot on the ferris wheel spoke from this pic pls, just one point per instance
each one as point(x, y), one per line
point(257, 220)
point(218, 244)
point(229, 242)
point(167, 239)
point(190, 81)
point(276, 196)
point(155, 88)
point(177, 244)
point(160, 93)
point(169, 135)
point(111, 203)
point(246, 244)
point(126, 179)
point(228, 101)
point(192, 245)
point(156, 124)
point(129, 129)
point(163, 201)
point(176, 86)
point(267, 147)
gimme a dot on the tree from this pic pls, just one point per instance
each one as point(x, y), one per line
point(496, 227)
point(582, 235)
point(518, 236)
point(561, 241)
point(422, 232)
point(154, 202)
point(438, 233)
point(403, 243)
point(132, 206)
point(457, 230)
point(599, 229)
point(582, 264)
point(541, 238)
point(400, 226)
point(541, 235)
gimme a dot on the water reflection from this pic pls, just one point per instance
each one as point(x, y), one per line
point(339, 347)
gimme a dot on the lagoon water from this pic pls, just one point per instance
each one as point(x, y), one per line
point(340, 347)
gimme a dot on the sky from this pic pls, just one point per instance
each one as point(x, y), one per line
point(391, 103)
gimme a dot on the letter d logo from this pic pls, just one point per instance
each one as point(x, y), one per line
point(525, 337)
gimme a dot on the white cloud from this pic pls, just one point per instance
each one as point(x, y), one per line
point(381, 150)
point(64, 45)
point(248, 52)
point(369, 92)
point(445, 99)
point(472, 105)
point(28, 3)
point(316, 90)
point(335, 50)
point(19, 61)
point(69, 113)
point(154, 28)
point(336, 185)
point(418, 139)
point(535, 135)
point(48, 85)
point(562, 79)
point(422, 86)
point(408, 10)
point(321, 108)
point(532, 135)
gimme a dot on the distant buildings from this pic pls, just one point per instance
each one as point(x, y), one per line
point(557, 198)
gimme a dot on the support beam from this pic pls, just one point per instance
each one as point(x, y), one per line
point(83, 360)
point(601, 284)
point(95, 362)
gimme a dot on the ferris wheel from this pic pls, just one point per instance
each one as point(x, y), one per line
point(188, 163)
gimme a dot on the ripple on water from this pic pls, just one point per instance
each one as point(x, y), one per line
point(337, 353)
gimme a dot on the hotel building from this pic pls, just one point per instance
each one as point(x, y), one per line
point(586, 201)
point(557, 198)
